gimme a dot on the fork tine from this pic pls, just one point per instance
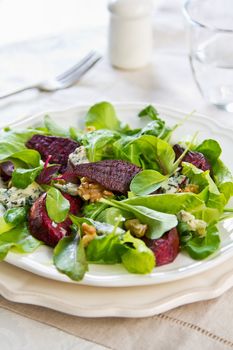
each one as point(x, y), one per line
point(79, 72)
point(76, 66)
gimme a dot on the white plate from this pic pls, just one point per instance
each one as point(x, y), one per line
point(40, 263)
point(85, 301)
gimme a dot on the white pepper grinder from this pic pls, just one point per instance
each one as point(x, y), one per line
point(130, 33)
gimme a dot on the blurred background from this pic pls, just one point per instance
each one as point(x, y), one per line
point(40, 38)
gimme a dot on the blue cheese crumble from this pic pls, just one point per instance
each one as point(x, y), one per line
point(79, 156)
point(2, 210)
point(17, 197)
point(172, 185)
point(69, 188)
point(194, 224)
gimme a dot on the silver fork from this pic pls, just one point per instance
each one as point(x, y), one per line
point(65, 79)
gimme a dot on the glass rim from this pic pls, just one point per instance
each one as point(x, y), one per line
point(195, 22)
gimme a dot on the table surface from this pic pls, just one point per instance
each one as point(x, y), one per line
point(166, 80)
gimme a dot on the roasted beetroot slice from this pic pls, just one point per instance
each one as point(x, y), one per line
point(43, 228)
point(165, 248)
point(6, 170)
point(58, 147)
point(114, 175)
point(195, 158)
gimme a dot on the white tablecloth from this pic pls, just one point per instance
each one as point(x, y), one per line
point(167, 80)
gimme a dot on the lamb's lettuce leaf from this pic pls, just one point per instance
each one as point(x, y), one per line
point(102, 116)
point(138, 258)
point(105, 249)
point(29, 158)
point(201, 247)
point(69, 256)
point(111, 216)
point(15, 216)
point(57, 205)
point(13, 142)
point(4, 225)
point(21, 178)
point(149, 111)
point(158, 127)
point(92, 210)
point(211, 150)
point(99, 144)
point(146, 182)
point(12, 218)
point(221, 174)
point(223, 178)
point(18, 239)
point(54, 128)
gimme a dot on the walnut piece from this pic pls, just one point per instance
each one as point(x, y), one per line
point(89, 233)
point(90, 128)
point(191, 188)
point(136, 228)
point(91, 191)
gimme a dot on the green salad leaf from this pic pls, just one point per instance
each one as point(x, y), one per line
point(221, 174)
point(158, 222)
point(13, 142)
point(105, 249)
point(111, 216)
point(5, 226)
point(102, 116)
point(138, 258)
point(171, 203)
point(201, 247)
point(21, 178)
point(11, 218)
point(54, 128)
point(223, 178)
point(19, 240)
point(57, 205)
point(15, 216)
point(99, 144)
point(92, 210)
point(158, 127)
point(146, 182)
point(211, 150)
point(29, 157)
point(69, 256)
point(150, 112)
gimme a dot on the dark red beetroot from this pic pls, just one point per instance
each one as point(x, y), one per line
point(43, 228)
point(58, 147)
point(6, 170)
point(165, 248)
point(114, 175)
point(195, 158)
point(47, 174)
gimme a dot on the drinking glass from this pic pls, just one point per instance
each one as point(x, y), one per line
point(211, 49)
